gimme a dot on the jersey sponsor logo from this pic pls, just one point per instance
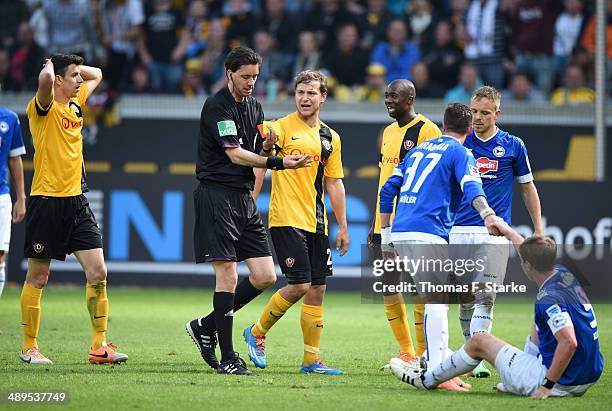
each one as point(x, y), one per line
point(290, 261)
point(71, 124)
point(315, 157)
point(486, 165)
point(499, 151)
point(390, 160)
point(553, 310)
point(227, 128)
point(4, 127)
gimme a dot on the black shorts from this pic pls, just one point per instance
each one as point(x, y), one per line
point(304, 257)
point(57, 226)
point(228, 226)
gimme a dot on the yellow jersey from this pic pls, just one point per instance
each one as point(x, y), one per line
point(396, 142)
point(297, 198)
point(58, 146)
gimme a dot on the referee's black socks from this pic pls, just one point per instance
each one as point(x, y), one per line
point(223, 306)
point(244, 294)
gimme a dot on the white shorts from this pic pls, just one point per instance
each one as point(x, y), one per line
point(475, 243)
point(522, 373)
point(6, 209)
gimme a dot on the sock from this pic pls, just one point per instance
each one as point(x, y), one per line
point(436, 333)
point(2, 277)
point(457, 364)
point(30, 315)
point(419, 320)
point(276, 308)
point(396, 314)
point(312, 328)
point(482, 319)
point(97, 305)
point(244, 294)
point(223, 304)
point(466, 311)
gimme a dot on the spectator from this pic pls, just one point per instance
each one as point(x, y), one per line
point(193, 38)
point(588, 41)
point(6, 83)
point(71, 28)
point(213, 56)
point(160, 49)
point(39, 24)
point(12, 13)
point(397, 54)
point(377, 18)
point(281, 24)
point(424, 88)
point(445, 58)
point(485, 47)
point(574, 92)
point(192, 83)
point(120, 22)
point(532, 37)
point(242, 22)
point(373, 90)
point(521, 90)
point(141, 83)
point(568, 27)
point(308, 56)
point(323, 19)
point(457, 18)
point(273, 73)
point(25, 59)
point(468, 82)
point(347, 63)
point(422, 22)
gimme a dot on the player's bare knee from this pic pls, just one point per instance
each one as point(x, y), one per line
point(96, 273)
point(38, 278)
point(263, 279)
point(297, 291)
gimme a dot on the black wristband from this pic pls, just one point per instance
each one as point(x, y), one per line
point(549, 384)
point(275, 163)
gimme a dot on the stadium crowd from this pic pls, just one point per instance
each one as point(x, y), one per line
point(536, 50)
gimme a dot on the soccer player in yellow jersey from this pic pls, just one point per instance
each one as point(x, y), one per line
point(298, 221)
point(58, 218)
point(409, 130)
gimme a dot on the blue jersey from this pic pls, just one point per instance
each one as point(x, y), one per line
point(501, 160)
point(430, 182)
point(561, 302)
point(11, 145)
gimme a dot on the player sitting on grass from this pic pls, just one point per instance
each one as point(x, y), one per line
point(561, 356)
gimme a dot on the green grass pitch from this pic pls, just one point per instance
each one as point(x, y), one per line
point(165, 370)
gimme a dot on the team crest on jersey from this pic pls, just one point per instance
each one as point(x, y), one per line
point(4, 127)
point(485, 165)
point(326, 144)
point(290, 261)
point(408, 144)
point(38, 248)
point(499, 151)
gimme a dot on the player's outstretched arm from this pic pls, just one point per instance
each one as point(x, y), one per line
point(44, 94)
point(243, 157)
point(566, 346)
point(532, 203)
point(337, 197)
point(92, 77)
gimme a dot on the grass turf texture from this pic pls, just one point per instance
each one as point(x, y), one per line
point(165, 370)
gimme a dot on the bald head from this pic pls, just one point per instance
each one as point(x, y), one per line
point(399, 98)
point(403, 86)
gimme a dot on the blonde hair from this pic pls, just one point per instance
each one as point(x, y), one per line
point(490, 93)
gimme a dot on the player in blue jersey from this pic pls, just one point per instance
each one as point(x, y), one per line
point(561, 356)
point(11, 150)
point(501, 159)
point(430, 183)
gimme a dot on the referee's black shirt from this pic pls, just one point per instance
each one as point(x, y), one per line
point(227, 123)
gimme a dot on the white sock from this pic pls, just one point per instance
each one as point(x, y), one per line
point(2, 277)
point(482, 319)
point(457, 364)
point(436, 333)
point(466, 311)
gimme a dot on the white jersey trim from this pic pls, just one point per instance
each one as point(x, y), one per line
point(524, 179)
point(469, 229)
point(19, 151)
point(407, 236)
point(469, 178)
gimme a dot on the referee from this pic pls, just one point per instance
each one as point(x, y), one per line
point(228, 227)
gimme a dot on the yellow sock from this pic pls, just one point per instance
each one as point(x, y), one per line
point(419, 318)
point(30, 315)
point(396, 314)
point(97, 305)
point(312, 328)
point(276, 308)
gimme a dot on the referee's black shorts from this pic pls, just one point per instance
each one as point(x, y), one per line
point(228, 226)
point(304, 257)
point(57, 226)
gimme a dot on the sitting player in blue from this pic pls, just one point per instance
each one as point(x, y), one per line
point(561, 356)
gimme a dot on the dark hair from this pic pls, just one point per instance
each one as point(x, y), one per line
point(241, 56)
point(540, 252)
point(458, 118)
point(62, 61)
point(307, 76)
